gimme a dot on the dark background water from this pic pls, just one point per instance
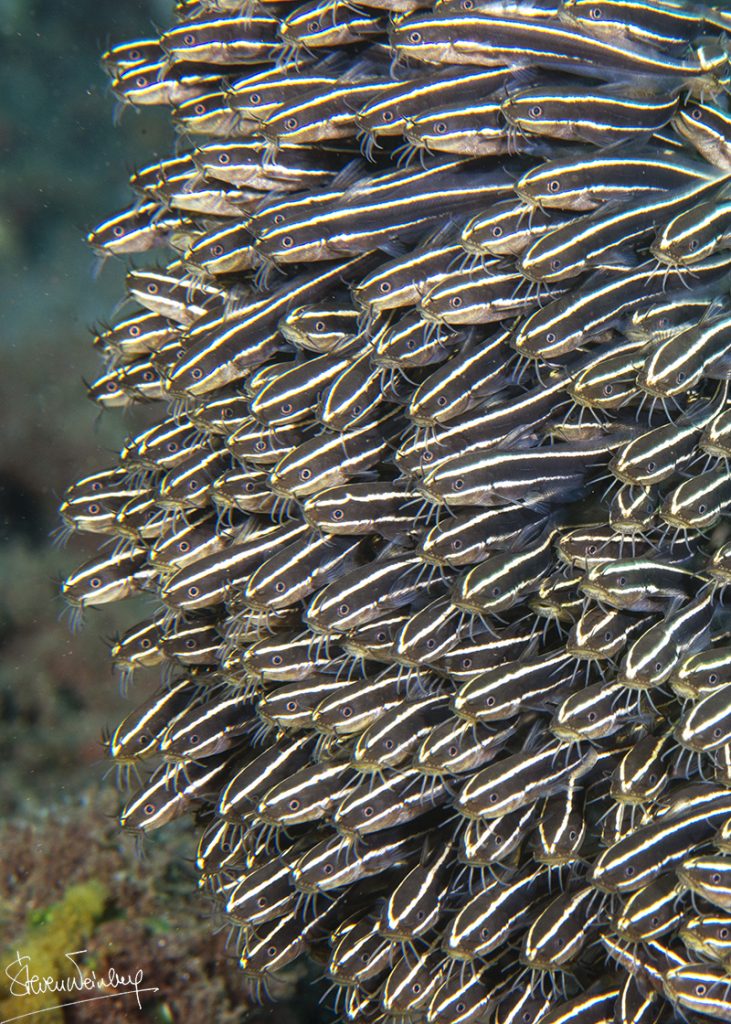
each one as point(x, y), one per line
point(64, 168)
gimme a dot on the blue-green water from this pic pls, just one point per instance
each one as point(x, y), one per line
point(64, 168)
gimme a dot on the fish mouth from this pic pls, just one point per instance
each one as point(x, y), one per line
point(594, 591)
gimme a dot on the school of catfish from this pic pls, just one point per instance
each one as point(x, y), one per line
point(433, 520)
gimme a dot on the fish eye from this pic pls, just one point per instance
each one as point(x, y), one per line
point(468, 5)
point(440, 127)
point(337, 513)
point(343, 609)
point(172, 446)
point(495, 591)
point(287, 241)
point(411, 344)
point(347, 711)
point(313, 26)
point(700, 990)
point(493, 798)
point(497, 231)
point(553, 185)
point(217, 249)
point(255, 98)
point(111, 385)
point(95, 582)
point(199, 108)
point(461, 1007)
point(416, 987)
point(484, 933)
point(278, 218)
point(291, 123)
point(192, 485)
point(193, 591)
point(629, 871)
point(141, 81)
point(427, 456)
point(280, 587)
point(713, 678)
point(224, 158)
point(431, 644)
point(388, 116)
point(152, 288)
point(291, 705)
point(693, 244)
point(723, 933)
point(680, 377)
point(457, 544)
point(607, 636)
point(591, 550)
point(272, 951)
point(189, 39)
point(555, 264)
point(622, 580)
point(305, 474)
point(368, 812)
point(414, 37)
point(96, 486)
point(591, 717)
point(458, 484)
point(149, 809)
point(608, 389)
point(294, 805)
point(651, 465)
point(655, 921)
point(455, 302)
point(262, 902)
point(490, 702)
point(535, 111)
point(595, 13)
point(320, 326)
point(441, 401)
point(466, 662)
point(190, 643)
point(384, 287)
point(134, 54)
point(145, 643)
point(196, 373)
point(94, 508)
point(286, 407)
point(696, 114)
point(573, 836)
point(260, 446)
point(327, 869)
point(194, 738)
point(118, 231)
point(453, 751)
point(717, 733)
point(550, 337)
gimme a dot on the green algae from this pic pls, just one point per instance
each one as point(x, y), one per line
point(43, 963)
